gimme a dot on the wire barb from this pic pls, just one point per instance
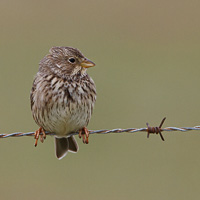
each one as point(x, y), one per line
point(156, 129)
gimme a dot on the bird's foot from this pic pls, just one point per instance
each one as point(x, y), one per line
point(82, 133)
point(37, 134)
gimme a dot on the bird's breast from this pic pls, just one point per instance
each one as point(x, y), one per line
point(64, 106)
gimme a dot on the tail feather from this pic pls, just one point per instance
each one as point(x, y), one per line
point(63, 145)
point(73, 146)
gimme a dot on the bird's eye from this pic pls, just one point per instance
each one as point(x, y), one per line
point(71, 60)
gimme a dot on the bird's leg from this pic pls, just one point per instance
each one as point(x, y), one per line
point(87, 134)
point(43, 136)
point(37, 134)
point(82, 133)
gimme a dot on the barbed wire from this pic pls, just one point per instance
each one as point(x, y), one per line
point(149, 130)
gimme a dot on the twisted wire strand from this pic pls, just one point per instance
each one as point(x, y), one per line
point(106, 131)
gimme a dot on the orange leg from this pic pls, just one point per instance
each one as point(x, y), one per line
point(82, 133)
point(37, 134)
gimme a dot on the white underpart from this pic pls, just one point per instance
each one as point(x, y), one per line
point(66, 120)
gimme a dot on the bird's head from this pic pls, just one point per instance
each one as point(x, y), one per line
point(65, 61)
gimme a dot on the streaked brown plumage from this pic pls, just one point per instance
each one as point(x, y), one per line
point(63, 97)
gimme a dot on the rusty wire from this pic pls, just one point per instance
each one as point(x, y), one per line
point(149, 130)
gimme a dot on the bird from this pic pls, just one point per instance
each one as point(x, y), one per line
point(62, 98)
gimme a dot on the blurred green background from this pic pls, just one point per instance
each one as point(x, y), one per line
point(147, 67)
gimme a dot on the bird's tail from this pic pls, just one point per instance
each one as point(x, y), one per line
point(63, 145)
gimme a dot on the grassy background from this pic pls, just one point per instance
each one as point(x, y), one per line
point(147, 67)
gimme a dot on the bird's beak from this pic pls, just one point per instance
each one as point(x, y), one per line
point(87, 63)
